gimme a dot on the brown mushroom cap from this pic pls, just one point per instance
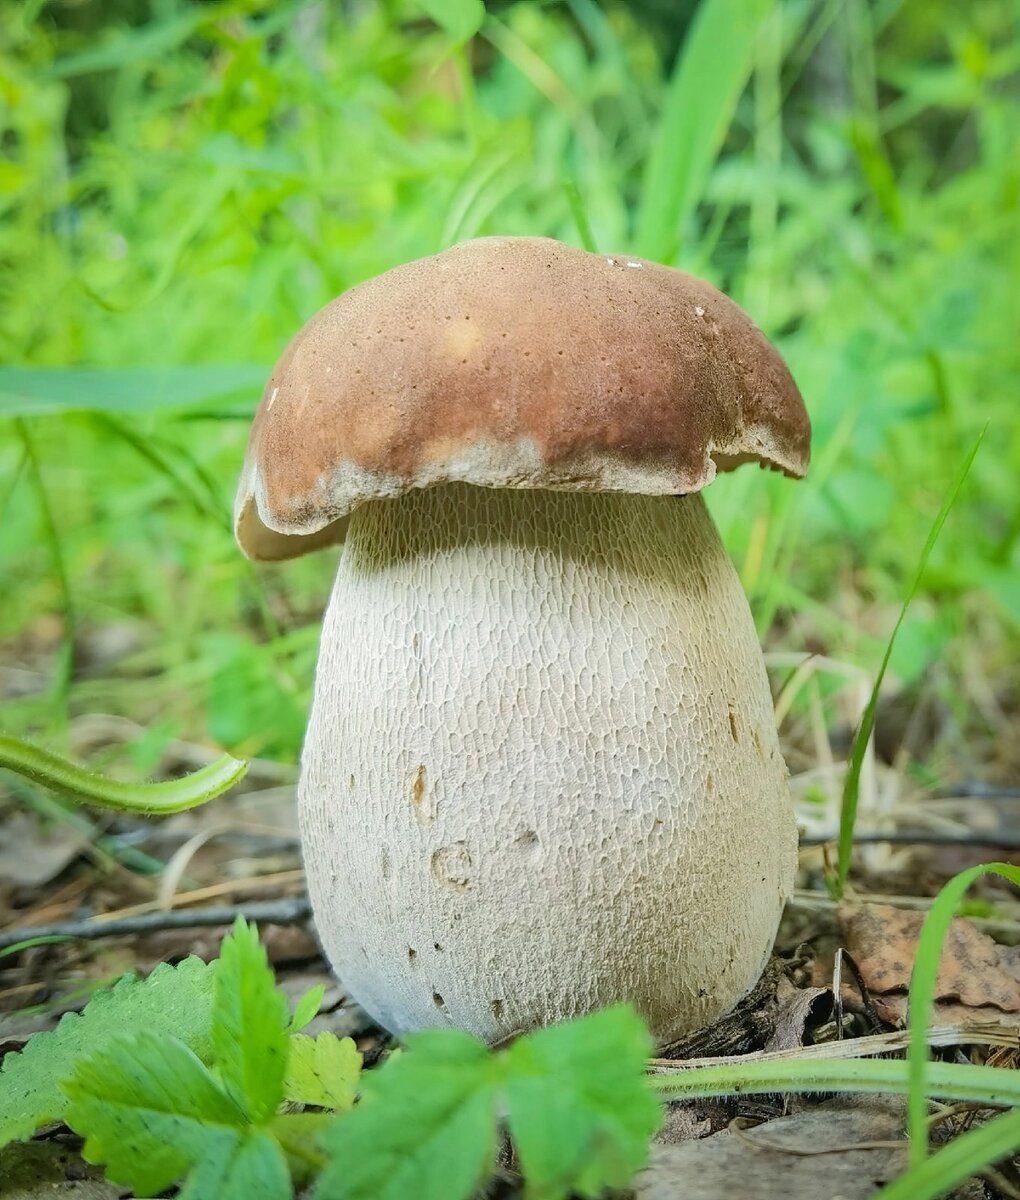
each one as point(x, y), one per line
point(511, 362)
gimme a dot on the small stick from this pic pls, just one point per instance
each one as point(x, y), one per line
point(920, 837)
point(289, 911)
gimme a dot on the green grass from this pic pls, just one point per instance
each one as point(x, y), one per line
point(180, 195)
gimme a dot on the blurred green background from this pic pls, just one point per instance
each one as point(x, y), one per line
point(182, 184)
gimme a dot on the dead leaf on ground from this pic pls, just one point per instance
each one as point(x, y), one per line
point(799, 1009)
point(780, 1157)
point(977, 977)
point(31, 855)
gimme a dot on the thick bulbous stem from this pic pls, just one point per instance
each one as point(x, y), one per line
point(542, 772)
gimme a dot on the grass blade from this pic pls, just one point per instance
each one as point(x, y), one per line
point(922, 995)
point(965, 1155)
point(577, 211)
point(950, 1081)
point(62, 682)
point(851, 786)
point(203, 499)
point(709, 77)
point(35, 391)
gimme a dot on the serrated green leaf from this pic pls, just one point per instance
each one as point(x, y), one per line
point(580, 1114)
point(173, 1000)
point(323, 1071)
point(307, 1007)
point(152, 1112)
point(254, 1169)
point(300, 1136)
point(429, 1117)
point(461, 19)
point(249, 1024)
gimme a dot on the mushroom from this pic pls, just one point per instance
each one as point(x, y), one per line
point(541, 772)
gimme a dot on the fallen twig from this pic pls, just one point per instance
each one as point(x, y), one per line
point(804, 898)
point(289, 911)
point(920, 837)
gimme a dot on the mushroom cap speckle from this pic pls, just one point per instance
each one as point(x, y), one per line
point(511, 362)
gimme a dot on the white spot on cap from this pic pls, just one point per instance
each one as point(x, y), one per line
point(271, 399)
point(611, 261)
point(698, 310)
point(631, 263)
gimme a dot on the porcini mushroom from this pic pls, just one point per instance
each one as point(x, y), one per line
point(541, 772)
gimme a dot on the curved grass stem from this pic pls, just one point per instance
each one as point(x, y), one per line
point(86, 787)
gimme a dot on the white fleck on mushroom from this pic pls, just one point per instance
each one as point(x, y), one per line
point(541, 772)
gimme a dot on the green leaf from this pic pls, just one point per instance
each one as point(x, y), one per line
point(151, 1111)
point(579, 1109)
point(429, 1119)
point(300, 1136)
point(851, 784)
point(254, 1169)
point(461, 19)
point(173, 1000)
point(580, 1113)
point(867, 145)
point(145, 44)
point(323, 1071)
point(249, 1024)
point(307, 1007)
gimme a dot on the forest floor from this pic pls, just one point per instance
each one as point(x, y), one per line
point(841, 970)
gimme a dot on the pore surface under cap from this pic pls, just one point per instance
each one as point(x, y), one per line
point(512, 362)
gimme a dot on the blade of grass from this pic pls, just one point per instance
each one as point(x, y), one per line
point(31, 943)
point(12, 484)
point(35, 391)
point(950, 1081)
point(768, 149)
point(964, 1156)
point(851, 786)
point(145, 44)
point(922, 995)
point(709, 77)
point(203, 500)
point(62, 681)
point(573, 195)
point(170, 796)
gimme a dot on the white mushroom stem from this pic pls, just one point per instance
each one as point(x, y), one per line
point(542, 772)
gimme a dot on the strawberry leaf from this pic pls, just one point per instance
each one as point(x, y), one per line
point(173, 1000)
point(323, 1071)
point(249, 1024)
point(307, 1007)
point(153, 1112)
point(580, 1114)
point(429, 1117)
